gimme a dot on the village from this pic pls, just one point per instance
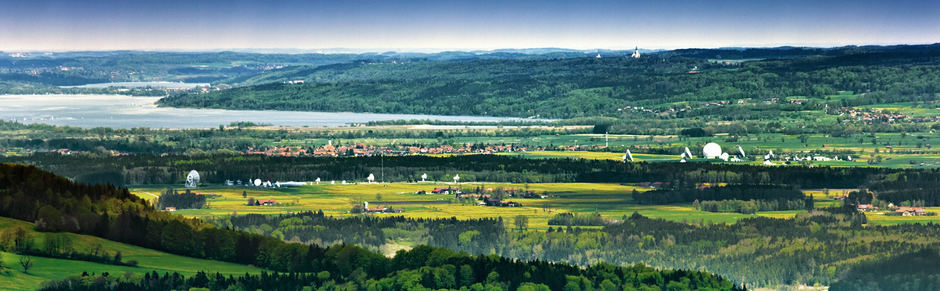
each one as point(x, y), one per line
point(329, 150)
point(894, 210)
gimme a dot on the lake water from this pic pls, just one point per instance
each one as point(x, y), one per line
point(120, 111)
point(132, 85)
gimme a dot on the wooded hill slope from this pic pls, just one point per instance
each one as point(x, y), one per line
point(586, 86)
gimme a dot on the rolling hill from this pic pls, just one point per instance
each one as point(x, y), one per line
point(588, 86)
point(148, 260)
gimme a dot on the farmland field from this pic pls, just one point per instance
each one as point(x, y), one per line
point(612, 201)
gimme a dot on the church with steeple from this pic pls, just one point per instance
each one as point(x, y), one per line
point(636, 53)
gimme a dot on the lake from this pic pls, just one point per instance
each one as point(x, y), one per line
point(121, 111)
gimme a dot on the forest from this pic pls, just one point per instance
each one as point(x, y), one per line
point(30, 194)
point(423, 268)
point(172, 169)
point(580, 87)
point(822, 246)
point(185, 200)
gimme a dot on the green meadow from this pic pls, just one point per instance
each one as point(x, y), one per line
point(45, 269)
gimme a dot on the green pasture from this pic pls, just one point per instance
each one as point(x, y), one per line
point(44, 269)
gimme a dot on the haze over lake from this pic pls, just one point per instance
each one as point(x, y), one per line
point(121, 111)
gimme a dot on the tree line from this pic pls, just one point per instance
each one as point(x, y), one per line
point(185, 200)
point(172, 169)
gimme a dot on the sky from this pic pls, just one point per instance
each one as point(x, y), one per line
point(430, 25)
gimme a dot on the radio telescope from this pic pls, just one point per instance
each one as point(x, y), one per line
point(424, 177)
point(257, 182)
point(770, 155)
point(711, 150)
point(192, 180)
point(627, 156)
point(371, 178)
point(456, 178)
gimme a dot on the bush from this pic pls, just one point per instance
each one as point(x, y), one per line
point(694, 132)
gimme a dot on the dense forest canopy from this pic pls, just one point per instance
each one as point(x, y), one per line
point(574, 87)
point(821, 246)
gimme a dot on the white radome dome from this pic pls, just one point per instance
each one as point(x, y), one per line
point(711, 150)
point(192, 180)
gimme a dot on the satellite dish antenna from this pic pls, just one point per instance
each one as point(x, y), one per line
point(371, 178)
point(318, 180)
point(741, 151)
point(332, 182)
point(688, 153)
point(456, 178)
point(257, 182)
point(724, 157)
point(627, 156)
point(424, 177)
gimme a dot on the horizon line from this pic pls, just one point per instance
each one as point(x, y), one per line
point(346, 50)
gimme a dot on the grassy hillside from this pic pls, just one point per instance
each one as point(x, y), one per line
point(55, 269)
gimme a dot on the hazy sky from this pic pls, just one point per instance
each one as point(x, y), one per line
point(443, 24)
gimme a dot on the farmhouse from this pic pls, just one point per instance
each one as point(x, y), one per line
point(478, 196)
point(500, 203)
point(445, 190)
point(376, 209)
point(169, 208)
point(265, 202)
point(911, 211)
point(798, 100)
point(866, 207)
